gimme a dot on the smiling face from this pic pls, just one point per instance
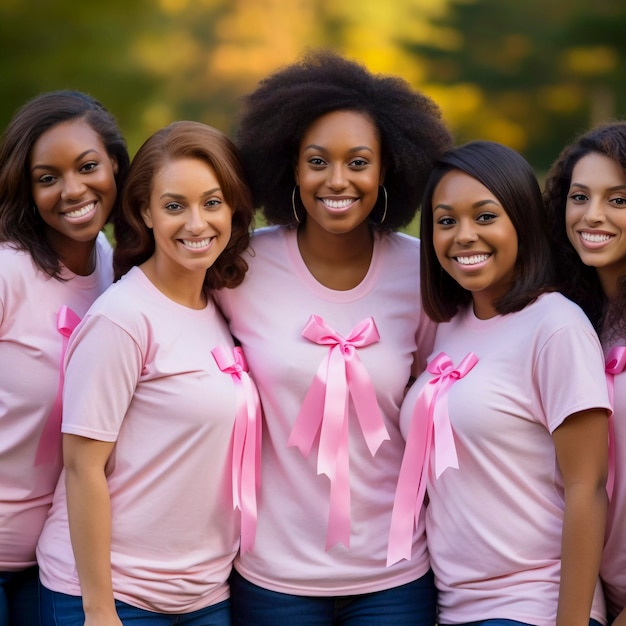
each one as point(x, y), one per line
point(595, 216)
point(339, 171)
point(73, 184)
point(189, 218)
point(474, 239)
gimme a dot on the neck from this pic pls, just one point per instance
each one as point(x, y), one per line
point(609, 279)
point(185, 288)
point(338, 261)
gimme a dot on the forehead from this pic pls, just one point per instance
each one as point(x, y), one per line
point(348, 126)
point(72, 136)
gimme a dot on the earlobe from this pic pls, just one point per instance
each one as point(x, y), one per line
point(295, 175)
point(115, 166)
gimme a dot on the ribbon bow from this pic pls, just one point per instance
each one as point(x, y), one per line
point(614, 364)
point(246, 441)
point(430, 427)
point(49, 445)
point(325, 410)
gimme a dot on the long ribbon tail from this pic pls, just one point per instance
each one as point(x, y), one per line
point(49, 446)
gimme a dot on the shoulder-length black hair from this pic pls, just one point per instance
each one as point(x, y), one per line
point(510, 178)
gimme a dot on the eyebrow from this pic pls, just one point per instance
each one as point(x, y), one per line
point(615, 188)
point(313, 146)
point(476, 205)
point(178, 196)
point(80, 157)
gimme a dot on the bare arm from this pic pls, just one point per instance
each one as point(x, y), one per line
point(581, 450)
point(621, 619)
point(89, 513)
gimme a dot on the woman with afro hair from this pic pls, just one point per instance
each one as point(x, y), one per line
point(330, 319)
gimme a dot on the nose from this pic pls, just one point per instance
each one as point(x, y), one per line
point(195, 223)
point(336, 177)
point(73, 187)
point(594, 213)
point(466, 232)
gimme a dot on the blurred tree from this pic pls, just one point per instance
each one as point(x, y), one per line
point(530, 74)
point(57, 45)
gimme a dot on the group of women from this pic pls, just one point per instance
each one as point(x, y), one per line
point(325, 422)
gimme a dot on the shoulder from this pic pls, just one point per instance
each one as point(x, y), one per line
point(554, 311)
point(401, 245)
point(124, 300)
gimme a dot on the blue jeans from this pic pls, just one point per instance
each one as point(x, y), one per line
point(413, 604)
point(59, 609)
point(509, 622)
point(19, 598)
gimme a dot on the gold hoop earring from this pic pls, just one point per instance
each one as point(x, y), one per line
point(293, 204)
point(382, 219)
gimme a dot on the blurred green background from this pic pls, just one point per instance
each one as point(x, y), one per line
point(528, 73)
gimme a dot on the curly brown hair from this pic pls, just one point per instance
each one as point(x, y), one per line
point(19, 223)
point(277, 114)
point(578, 281)
point(135, 241)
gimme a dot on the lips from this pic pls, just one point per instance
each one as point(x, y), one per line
point(197, 244)
point(474, 259)
point(595, 237)
point(81, 215)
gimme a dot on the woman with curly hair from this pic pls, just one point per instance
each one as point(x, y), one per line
point(586, 193)
point(63, 161)
point(330, 319)
point(143, 527)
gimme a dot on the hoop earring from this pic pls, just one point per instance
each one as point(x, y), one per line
point(382, 219)
point(293, 204)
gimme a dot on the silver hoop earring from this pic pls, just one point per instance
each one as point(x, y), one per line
point(382, 219)
point(293, 204)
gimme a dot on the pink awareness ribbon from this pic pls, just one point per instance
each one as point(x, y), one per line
point(615, 363)
point(430, 427)
point(246, 441)
point(48, 449)
point(325, 411)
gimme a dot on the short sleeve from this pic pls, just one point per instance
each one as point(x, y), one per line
point(102, 368)
point(569, 374)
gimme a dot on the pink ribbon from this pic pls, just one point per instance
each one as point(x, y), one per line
point(325, 410)
point(48, 449)
point(430, 428)
point(246, 441)
point(615, 363)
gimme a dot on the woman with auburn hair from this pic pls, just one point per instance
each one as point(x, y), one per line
point(330, 319)
point(63, 161)
point(510, 416)
point(586, 194)
point(143, 527)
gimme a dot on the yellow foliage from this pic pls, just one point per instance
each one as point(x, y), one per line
point(591, 61)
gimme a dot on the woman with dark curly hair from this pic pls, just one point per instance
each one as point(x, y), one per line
point(63, 161)
point(143, 527)
point(586, 193)
point(330, 320)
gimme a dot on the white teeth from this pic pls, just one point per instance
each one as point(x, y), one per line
point(196, 244)
point(80, 212)
point(472, 260)
point(337, 204)
point(595, 238)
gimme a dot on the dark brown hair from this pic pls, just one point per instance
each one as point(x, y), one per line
point(135, 241)
point(512, 180)
point(20, 223)
point(577, 280)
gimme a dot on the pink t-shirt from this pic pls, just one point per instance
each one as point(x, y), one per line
point(30, 354)
point(613, 568)
point(267, 314)
point(494, 525)
point(140, 373)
